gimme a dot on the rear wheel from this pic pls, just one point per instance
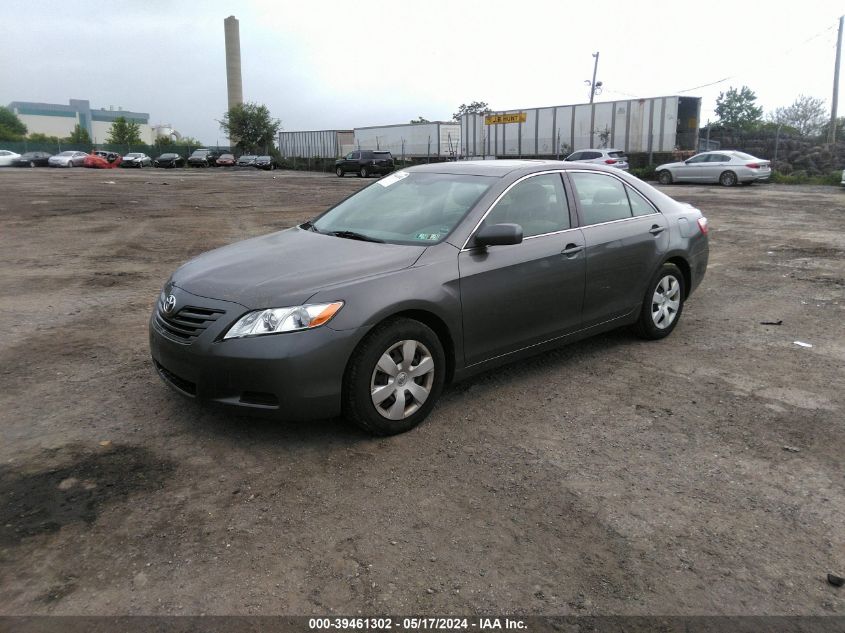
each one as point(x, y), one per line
point(664, 178)
point(69, 164)
point(32, 163)
point(339, 172)
point(662, 304)
point(364, 172)
point(394, 377)
point(727, 179)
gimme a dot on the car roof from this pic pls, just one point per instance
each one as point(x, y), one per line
point(502, 168)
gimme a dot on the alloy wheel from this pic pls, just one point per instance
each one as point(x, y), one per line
point(665, 302)
point(402, 380)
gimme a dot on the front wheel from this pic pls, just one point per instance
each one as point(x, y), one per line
point(339, 172)
point(32, 163)
point(662, 304)
point(664, 178)
point(364, 172)
point(727, 179)
point(394, 377)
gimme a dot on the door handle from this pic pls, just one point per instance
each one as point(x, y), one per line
point(656, 230)
point(571, 250)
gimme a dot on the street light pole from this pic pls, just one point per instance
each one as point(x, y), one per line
point(593, 83)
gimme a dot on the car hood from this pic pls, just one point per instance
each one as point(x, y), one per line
point(288, 267)
point(59, 159)
point(670, 166)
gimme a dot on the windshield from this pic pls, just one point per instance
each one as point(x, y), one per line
point(134, 155)
point(407, 207)
point(169, 155)
point(68, 153)
point(264, 158)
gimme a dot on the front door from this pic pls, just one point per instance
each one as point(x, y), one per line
point(523, 294)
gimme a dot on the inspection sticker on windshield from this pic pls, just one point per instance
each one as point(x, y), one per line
point(392, 178)
point(428, 236)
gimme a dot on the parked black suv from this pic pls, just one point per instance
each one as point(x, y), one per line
point(365, 162)
point(203, 158)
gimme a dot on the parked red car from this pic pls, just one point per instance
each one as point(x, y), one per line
point(226, 160)
point(101, 159)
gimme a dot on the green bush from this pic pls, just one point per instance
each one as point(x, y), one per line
point(800, 177)
point(643, 173)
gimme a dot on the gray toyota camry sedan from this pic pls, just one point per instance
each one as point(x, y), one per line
point(430, 274)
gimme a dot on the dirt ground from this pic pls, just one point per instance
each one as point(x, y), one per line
point(702, 474)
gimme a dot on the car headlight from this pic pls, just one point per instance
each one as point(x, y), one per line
point(277, 320)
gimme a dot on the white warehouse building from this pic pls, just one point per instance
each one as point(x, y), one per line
point(55, 119)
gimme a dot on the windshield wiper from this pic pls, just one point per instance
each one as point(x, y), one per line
point(352, 235)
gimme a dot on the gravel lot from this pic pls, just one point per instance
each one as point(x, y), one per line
point(702, 474)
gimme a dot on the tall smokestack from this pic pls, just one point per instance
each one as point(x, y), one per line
point(234, 84)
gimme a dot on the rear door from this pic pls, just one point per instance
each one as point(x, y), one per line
point(625, 239)
point(523, 294)
point(713, 168)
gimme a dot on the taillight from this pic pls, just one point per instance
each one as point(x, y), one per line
point(610, 161)
point(702, 225)
point(752, 165)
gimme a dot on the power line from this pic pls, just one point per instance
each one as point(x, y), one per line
point(783, 53)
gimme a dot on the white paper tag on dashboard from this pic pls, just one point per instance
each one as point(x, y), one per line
point(392, 178)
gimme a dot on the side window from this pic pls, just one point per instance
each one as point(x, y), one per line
point(575, 156)
point(592, 155)
point(537, 204)
point(718, 158)
point(639, 205)
point(701, 158)
point(350, 155)
point(603, 198)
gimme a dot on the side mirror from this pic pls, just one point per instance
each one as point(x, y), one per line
point(499, 235)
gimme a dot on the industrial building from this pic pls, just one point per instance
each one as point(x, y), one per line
point(658, 124)
point(55, 119)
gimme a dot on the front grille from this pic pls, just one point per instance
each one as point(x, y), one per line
point(180, 383)
point(187, 324)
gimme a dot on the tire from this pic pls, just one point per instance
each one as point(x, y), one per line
point(69, 164)
point(340, 173)
point(727, 179)
point(32, 163)
point(364, 173)
point(664, 178)
point(663, 303)
point(393, 356)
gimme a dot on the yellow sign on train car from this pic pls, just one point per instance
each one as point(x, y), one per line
point(497, 119)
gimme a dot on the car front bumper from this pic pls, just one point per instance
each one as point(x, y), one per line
point(295, 375)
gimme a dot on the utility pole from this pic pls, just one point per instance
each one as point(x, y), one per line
point(593, 82)
point(831, 135)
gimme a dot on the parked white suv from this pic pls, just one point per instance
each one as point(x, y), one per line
point(612, 157)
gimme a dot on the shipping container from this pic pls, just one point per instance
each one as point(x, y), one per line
point(657, 124)
point(316, 143)
point(437, 139)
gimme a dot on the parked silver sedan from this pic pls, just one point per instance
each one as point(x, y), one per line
point(726, 167)
point(69, 158)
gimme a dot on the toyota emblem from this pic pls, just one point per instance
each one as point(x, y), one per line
point(169, 304)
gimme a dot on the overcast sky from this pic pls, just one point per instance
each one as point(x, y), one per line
point(330, 65)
